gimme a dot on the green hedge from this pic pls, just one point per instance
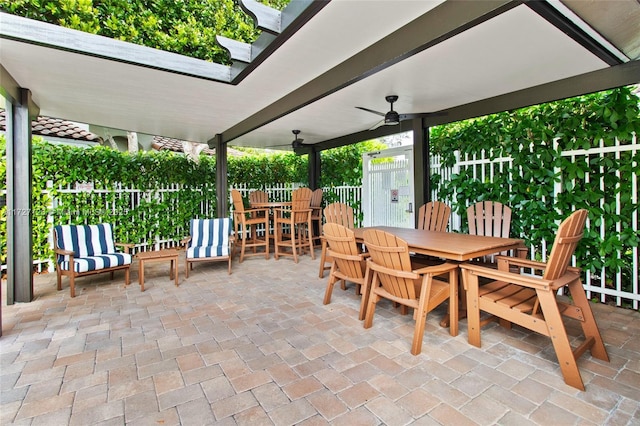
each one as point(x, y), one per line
point(161, 215)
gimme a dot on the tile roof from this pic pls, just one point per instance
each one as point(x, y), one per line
point(55, 127)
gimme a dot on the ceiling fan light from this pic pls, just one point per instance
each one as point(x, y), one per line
point(391, 117)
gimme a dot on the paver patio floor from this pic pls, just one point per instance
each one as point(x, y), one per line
point(259, 347)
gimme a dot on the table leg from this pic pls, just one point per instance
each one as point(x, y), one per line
point(141, 275)
point(453, 302)
point(174, 267)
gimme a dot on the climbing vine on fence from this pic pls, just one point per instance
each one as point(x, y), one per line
point(535, 138)
point(159, 213)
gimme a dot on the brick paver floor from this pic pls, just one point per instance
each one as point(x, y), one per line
point(259, 347)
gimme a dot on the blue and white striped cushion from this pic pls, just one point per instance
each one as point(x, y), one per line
point(85, 240)
point(209, 238)
point(93, 263)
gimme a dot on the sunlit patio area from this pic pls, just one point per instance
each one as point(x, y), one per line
point(259, 347)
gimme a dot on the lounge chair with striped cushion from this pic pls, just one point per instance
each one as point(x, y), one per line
point(86, 250)
point(210, 240)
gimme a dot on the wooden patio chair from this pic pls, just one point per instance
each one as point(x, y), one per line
point(86, 250)
point(348, 260)
point(293, 226)
point(259, 197)
point(341, 214)
point(316, 213)
point(393, 279)
point(245, 222)
point(434, 216)
point(491, 219)
point(530, 301)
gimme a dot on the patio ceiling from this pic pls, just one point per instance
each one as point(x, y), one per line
point(466, 58)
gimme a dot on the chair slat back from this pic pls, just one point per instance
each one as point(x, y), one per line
point(569, 234)
point(339, 213)
point(238, 203)
point(316, 198)
point(391, 262)
point(258, 197)
point(434, 216)
point(301, 204)
point(489, 218)
point(342, 244)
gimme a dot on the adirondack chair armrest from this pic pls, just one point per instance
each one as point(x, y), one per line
point(264, 210)
point(436, 269)
point(510, 277)
point(383, 269)
point(127, 247)
point(520, 262)
point(354, 257)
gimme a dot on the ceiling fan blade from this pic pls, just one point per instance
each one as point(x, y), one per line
point(378, 124)
point(372, 111)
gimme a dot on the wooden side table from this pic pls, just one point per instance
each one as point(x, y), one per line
point(158, 256)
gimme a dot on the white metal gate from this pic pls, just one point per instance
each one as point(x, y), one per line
point(387, 187)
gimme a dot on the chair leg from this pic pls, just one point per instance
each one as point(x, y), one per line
point(186, 268)
point(558, 335)
point(366, 288)
point(371, 308)
point(310, 233)
point(418, 333)
point(59, 277)
point(330, 283)
point(589, 325)
point(323, 255)
point(72, 285)
point(294, 237)
point(126, 276)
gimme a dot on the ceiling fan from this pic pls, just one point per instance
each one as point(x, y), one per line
point(297, 142)
point(391, 118)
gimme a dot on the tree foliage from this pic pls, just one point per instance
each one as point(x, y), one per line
point(187, 27)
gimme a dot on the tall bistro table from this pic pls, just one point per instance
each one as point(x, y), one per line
point(451, 246)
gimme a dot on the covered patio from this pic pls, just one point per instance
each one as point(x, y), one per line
point(259, 347)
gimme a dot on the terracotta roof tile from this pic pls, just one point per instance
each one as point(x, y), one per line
point(48, 126)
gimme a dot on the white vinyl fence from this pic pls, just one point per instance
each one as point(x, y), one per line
point(123, 198)
point(602, 283)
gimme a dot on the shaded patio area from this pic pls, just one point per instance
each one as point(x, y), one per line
point(258, 347)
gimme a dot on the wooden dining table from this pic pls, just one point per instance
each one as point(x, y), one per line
point(451, 246)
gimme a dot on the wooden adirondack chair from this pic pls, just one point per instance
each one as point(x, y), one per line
point(491, 219)
point(531, 301)
point(393, 278)
point(341, 214)
point(245, 223)
point(348, 260)
point(434, 216)
point(293, 226)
